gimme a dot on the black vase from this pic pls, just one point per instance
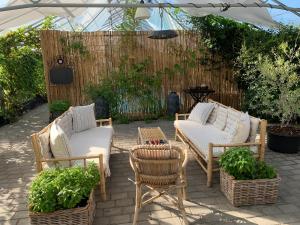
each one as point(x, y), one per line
point(173, 103)
point(101, 108)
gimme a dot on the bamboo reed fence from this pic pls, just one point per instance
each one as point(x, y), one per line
point(94, 55)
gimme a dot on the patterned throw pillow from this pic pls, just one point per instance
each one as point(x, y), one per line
point(66, 124)
point(201, 112)
point(213, 115)
point(220, 122)
point(232, 121)
point(242, 130)
point(44, 142)
point(83, 117)
point(254, 124)
point(59, 143)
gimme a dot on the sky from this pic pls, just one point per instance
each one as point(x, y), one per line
point(284, 16)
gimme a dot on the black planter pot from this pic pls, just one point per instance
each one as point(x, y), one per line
point(101, 108)
point(283, 143)
point(173, 103)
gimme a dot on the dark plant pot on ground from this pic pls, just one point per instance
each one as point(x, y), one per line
point(173, 104)
point(101, 108)
point(284, 139)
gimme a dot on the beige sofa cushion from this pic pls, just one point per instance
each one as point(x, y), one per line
point(93, 142)
point(59, 143)
point(44, 142)
point(242, 130)
point(232, 121)
point(254, 124)
point(83, 117)
point(202, 135)
point(220, 122)
point(200, 112)
point(65, 123)
point(213, 115)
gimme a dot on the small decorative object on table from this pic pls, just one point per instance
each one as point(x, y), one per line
point(64, 196)
point(151, 136)
point(246, 181)
point(199, 94)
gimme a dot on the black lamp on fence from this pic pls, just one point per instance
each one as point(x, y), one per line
point(163, 34)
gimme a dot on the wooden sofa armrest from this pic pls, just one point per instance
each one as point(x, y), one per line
point(178, 116)
point(104, 122)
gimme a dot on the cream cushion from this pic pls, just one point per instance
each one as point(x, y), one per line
point(220, 122)
point(93, 142)
point(254, 123)
point(213, 115)
point(65, 123)
point(200, 112)
point(59, 144)
point(202, 135)
point(83, 117)
point(243, 129)
point(233, 118)
point(44, 142)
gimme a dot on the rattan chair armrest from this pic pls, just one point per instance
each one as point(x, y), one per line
point(180, 115)
point(104, 122)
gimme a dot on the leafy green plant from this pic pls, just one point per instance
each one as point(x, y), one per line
point(240, 163)
point(56, 189)
point(59, 106)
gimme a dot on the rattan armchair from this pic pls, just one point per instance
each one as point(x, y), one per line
point(161, 168)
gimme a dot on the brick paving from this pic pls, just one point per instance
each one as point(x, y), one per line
point(204, 205)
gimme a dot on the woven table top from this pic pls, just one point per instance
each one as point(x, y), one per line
point(151, 135)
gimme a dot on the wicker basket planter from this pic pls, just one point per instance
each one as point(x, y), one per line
point(77, 216)
point(249, 192)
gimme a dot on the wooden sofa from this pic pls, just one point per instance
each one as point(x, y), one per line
point(43, 161)
point(206, 157)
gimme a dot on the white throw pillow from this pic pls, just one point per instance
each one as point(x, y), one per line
point(83, 117)
point(243, 129)
point(201, 112)
point(213, 115)
point(254, 123)
point(59, 143)
point(66, 124)
point(233, 119)
point(44, 142)
point(220, 122)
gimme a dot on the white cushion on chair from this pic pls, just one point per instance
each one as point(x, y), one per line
point(220, 122)
point(59, 143)
point(66, 124)
point(254, 123)
point(44, 142)
point(200, 112)
point(93, 142)
point(83, 117)
point(242, 130)
point(232, 121)
point(213, 115)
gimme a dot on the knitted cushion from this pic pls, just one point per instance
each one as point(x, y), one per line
point(220, 122)
point(83, 117)
point(201, 112)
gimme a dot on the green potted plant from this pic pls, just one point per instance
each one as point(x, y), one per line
point(57, 108)
point(64, 196)
point(280, 97)
point(246, 181)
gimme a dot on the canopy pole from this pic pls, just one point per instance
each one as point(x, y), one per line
point(147, 5)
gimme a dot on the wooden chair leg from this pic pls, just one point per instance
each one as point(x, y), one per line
point(180, 205)
point(209, 165)
point(176, 132)
point(138, 203)
point(103, 189)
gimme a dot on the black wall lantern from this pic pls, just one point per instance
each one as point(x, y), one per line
point(61, 74)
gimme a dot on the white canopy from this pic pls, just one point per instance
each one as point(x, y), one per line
point(99, 18)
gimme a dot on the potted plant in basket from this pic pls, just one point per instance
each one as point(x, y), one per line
point(280, 97)
point(246, 181)
point(64, 196)
point(57, 108)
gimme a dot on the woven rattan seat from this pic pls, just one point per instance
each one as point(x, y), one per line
point(161, 168)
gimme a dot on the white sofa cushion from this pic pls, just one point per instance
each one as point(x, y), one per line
point(220, 122)
point(242, 130)
point(200, 112)
point(213, 115)
point(59, 144)
point(233, 118)
point(83, 117)
point(44, 142)
point(65, 123)
point(254, 123)
point(92, 142)
point(202, 135)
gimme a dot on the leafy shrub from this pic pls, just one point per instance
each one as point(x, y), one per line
point(56, 189)
point(59, 106)
point(240, 163)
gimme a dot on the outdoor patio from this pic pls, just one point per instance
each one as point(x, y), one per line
point(204, 205)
